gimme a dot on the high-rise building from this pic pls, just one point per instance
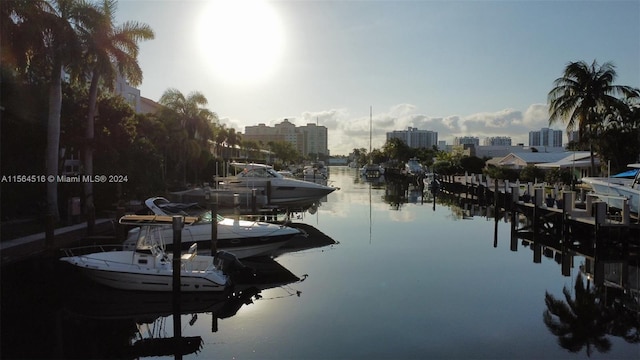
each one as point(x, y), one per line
point(466, 140)
point(497, 141)
point(546, 137)
point(309, 139)
point(315, 139)
point(415, 138)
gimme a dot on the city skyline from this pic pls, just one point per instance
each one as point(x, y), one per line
point(456, 68)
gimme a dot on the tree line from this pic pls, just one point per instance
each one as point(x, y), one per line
point(59, 63)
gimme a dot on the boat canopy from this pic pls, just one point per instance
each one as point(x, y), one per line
point(627, 174)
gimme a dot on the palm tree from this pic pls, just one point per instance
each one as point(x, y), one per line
point(582, 94)
point(55, 22)
point(233, 138)
point(108, 47)
point(193, 119)
point(220, 137)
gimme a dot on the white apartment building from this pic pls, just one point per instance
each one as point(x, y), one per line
point(309, 139)
point(415, 138)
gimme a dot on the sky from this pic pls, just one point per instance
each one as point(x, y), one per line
point(460, 68)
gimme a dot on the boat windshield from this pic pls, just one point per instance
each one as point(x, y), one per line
point(259, 173)
point(206, 217)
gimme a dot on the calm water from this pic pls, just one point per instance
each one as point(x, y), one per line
point(405, 280)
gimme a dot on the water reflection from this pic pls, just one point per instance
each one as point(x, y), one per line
point(604, 301)
point(128, 325)
point(70, 317)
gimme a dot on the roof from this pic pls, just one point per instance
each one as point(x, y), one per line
point(530, 158)
point(575, 159)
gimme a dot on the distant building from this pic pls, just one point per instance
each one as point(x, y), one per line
point(497, 141)
point(573, 136)
point(315, 139)
point(148, 106)
point(546, 137)
point(128, 92)
point(415, 138)
point(309, 139)
point(466, 140)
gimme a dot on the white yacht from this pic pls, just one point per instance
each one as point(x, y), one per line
point(614, 190)
point(280, 191)
point(242, 238)
point(148, 267)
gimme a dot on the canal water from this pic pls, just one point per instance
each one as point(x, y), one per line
point(401, 277)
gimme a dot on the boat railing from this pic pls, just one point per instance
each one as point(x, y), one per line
point(89, 249)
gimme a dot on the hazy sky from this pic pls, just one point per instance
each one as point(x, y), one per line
point(461, 68)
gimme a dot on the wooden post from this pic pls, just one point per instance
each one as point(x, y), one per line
point(600, 215)
point(626, 212)
point(254, 207)
point(49, 231)
point(538, 192)
point(91, 219)
point(537, 252)
point(567, 262)
point(214, 228)
point(178, 222)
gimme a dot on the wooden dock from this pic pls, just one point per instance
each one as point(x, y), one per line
point(560, 211)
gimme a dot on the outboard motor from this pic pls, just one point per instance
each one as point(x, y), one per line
point(230, 262)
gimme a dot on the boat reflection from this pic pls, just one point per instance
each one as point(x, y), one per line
point(129, 325)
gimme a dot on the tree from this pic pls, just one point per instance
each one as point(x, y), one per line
point(360, 156)
point(110, 51)
point(397, 149)
point(233, 139)
point(284, 151)
point(190, 125)
point(56, 20)
point(472, 164)
point(619, 138)
point(219, 138)
point(582, 94)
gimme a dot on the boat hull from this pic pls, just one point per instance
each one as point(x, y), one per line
point(615, 191)
point(282, 191)
point(112, 269)
point(241, 241)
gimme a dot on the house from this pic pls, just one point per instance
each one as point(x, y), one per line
point(578, 161)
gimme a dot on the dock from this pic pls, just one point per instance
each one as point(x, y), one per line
point(559, 211)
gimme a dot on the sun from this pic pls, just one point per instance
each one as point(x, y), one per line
point(241, 41)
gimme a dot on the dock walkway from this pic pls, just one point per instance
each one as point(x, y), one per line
point(36, 244)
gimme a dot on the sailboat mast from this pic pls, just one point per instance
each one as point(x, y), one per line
point(370, 130)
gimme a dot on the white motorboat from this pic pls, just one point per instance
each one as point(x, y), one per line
point(279, 190)
point(315, 171)
point(614, 190)
point(414, 168)
point(149, 267)
point(372, 171)
point(242, 238)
